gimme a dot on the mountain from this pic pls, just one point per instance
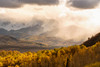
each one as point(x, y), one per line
point(51, 41)
point(93, 40)
point(33, 29)
point(34, 34)
point(11, 43)
point(6, 40)
point(12, 26)
point(22, 32)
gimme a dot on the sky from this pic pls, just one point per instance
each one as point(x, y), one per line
point(71, 19)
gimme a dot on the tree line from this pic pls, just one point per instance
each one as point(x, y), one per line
point(72, 56)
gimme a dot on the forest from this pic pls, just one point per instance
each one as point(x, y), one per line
point(72, 56)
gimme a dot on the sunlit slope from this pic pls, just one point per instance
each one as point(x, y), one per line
point(11, 43)
point(73, 56)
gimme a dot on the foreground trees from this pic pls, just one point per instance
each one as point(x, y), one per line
point(73, 56)
point(97, 64)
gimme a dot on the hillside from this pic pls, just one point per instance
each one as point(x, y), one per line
point(73, 56)
point(93, 40)
point(31, 34)
point(51, 41)
point(11, 43)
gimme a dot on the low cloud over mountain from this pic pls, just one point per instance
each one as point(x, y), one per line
point(59, 20)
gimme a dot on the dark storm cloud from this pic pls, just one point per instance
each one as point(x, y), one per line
point(9, 3)
point(84, 4)
point(19, 3)
point(40, 2)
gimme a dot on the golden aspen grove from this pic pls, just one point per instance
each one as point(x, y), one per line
point(72, 56)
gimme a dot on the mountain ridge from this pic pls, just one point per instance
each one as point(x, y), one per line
point(93, 40)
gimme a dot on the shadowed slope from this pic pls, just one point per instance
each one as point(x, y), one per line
point(91, 41)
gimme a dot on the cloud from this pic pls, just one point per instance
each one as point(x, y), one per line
point(19, 3)
point(84, 4)
point(9, 4)
point(73, 24)
point(40, 2)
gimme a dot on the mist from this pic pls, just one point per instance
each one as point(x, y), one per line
point(69, 23)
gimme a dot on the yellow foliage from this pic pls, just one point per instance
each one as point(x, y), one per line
point(72, 56)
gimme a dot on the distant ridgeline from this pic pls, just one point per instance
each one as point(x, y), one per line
point(93, 40)
point(11, 43)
